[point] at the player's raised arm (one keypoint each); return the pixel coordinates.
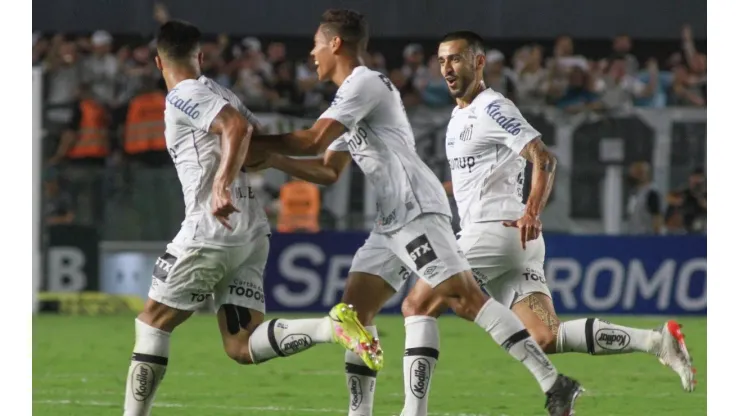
(310, 142)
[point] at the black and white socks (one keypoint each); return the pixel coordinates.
(284, 337)
(360, 382)
(599, 337)
(508, 331)
(419, 361)
(148, 365)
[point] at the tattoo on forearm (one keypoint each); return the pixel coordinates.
(537, 153)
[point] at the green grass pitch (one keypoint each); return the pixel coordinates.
(80, 364)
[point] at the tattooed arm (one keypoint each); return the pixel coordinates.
(543, 175)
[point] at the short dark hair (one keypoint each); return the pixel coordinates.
(348, 25)
(474, 41)
(177, 39)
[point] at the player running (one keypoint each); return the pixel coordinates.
(488, 143)
(367, 120)
(222, 246)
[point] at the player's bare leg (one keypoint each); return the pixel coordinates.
(151, 352)
(599, 337)
(367, 293)
(462, 294)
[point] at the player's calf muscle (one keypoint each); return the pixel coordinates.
(161, 316)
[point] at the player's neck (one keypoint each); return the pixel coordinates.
(468, 98)
(172, 77)
(344, 69)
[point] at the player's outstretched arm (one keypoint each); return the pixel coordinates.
(543, 174)
(309, 142)
(324, 171)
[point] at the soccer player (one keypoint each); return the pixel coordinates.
(488, 144)
(367, 121)
(222, 247)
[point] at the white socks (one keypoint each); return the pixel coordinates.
(599, 337)
(148, 365)
(284, 337)
(419, 361)
(508, 331)
(360, 382)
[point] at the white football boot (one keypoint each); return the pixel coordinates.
(674, 354)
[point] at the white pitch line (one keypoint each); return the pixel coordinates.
(232, 408)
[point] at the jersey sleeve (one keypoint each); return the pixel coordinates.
(339, 145)
(196, 105)
(503, 124)
(354, 100)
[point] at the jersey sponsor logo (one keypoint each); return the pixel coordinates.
(163, 266)
(199, 297)
(404, 273)
(462, 162)
(510, 124)
(421, 252)
(247, 292)
(419, 377)
(142, 380)
(186, 106)
(612, 339)
(467, 133)
(355, 391)
(295, 343)
(357, 139)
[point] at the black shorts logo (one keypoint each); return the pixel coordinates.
(421, 251)
(163, 265)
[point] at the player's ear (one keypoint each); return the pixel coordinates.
(336, 43)
(480, 62)
(158, 62)
(200, 58)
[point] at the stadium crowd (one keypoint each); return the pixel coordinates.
(112, 72)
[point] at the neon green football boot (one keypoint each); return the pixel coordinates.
(352, 335)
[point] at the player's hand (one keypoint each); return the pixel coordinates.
(221, 205)
(529, 227)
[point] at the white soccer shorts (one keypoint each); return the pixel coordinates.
(506, 271)
(185, 276)
(425, 246)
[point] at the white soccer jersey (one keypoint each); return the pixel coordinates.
(484, 140)
(190, 109)
(382, 144)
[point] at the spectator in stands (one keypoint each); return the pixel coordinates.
(682, 92)
(300, 204)
(414, 68)
(579, 96)
(133, 71)
(434, 92)
(143, 133)
(409, 93)
(622, 47)
(40, 47)
(560, 65)
(377, 63)
(100, 69)
(497, 76)
(674, 215)
(695, 202)
(62, 82)
(250, 83)
(659, 97)
(618, 89)
(276, 54)
(58, 207)
(532, 78)
(286, 96)
(697, 62)
(643, 207)
(314, 92)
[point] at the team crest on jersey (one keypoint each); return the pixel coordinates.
(467, 133)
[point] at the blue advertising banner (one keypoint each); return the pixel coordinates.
(586, 274)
